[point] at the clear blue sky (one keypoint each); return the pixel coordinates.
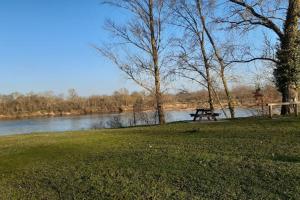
(45, 45)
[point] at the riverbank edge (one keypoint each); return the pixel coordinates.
(168, 107)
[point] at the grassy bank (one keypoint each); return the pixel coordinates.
(242, 159)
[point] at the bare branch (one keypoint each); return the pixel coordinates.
(260, 19)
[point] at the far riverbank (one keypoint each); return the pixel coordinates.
(123, 109)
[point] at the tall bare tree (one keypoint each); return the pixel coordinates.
(140, 50)
(193, 57)
(219, 57)
(192, 17)
(280, 17)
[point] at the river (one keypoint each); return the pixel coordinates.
(71, 123)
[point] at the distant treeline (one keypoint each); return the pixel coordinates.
(18, 105)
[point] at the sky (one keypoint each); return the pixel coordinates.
(46, 45)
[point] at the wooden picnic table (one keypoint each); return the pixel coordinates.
(202, 112)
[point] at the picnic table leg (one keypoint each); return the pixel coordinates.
(195, 117)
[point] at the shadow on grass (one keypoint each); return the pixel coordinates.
(285, 158)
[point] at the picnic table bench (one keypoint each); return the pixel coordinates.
(200, 112)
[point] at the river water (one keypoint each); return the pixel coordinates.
(70, 123)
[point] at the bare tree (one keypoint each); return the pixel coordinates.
(193, 57)
(281, 18)
(219, 58)
(203, 57)
(140, 50)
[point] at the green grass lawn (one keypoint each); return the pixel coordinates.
(240, 159)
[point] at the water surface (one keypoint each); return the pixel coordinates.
(70, 123)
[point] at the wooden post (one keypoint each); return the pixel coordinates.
(270, 111)
(296, 110)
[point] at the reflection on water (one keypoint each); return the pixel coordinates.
(88, 121)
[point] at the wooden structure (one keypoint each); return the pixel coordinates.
(294, 104)
(204, 113)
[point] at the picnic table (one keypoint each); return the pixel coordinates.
(202, 112)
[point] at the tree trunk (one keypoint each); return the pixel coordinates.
(220, 103)
(201, 38)
(220, 60)
(158, 94)
(228, 94)
(209, 87)
(286, 72)
(285, 109)
(207, 70)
